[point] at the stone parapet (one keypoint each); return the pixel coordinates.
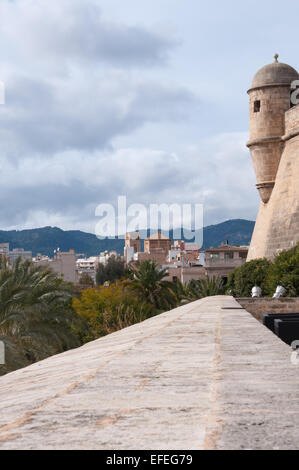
(261, 306)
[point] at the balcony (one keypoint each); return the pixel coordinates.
(224, 262)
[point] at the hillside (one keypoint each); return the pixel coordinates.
(45, 240)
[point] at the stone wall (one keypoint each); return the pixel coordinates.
(260, 307)
(205, 376)
(277, 225)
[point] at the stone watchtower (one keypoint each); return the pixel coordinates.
(274, 148)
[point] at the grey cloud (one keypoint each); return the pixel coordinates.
(71, 185)
(77, 200)
(46, 117)
(158, 102)
(76, 30)
(75, 84)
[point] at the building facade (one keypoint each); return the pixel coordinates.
(157, 243)
(63, 264)
(13, 255)
(219, 262)
(184, 274)
(19, 253)
(132, 246)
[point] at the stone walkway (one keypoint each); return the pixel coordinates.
(203, 376)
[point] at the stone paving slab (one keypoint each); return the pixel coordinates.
(203, 376)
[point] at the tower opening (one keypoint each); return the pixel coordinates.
(257, 106)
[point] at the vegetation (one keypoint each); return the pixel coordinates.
(111, 272)
(197, 289)
(86, 280)
(36, 318)
(148, 283)
(205, 288)
(143, 294)
(108, 309)
(41, 315)
(254, 273)
(283, 270)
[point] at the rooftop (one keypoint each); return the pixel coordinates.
(133, 236)
(228, 248)
(158, 236)
(276, 73)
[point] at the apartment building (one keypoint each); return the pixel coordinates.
(219, 262)
(63, 263)
(13, 255)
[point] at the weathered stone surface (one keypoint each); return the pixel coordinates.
(203, 376)
(260, 306)
(274, 148)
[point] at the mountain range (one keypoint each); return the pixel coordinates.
(47, 239)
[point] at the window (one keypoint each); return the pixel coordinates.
(214, 256)
(257, 106)
(229, 255)
(243, 254)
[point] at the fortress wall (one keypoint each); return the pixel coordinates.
(203, 376)
(283, 232)
(277, 225)
(258, 242)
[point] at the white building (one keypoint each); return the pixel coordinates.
(88, 266)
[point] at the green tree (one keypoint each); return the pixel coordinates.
(35, 310)
(148, 281)
(112, 271)
(197, 289)
(86, 280)
(108, 309)
(206, 287)
(243, 279)
(284, 271)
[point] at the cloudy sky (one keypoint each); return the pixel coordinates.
(131, 97)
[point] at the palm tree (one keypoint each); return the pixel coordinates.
(148, 282)
(35, 310)
(209, 286)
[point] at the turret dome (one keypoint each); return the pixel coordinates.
(276, 73)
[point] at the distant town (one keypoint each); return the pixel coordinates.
(183, 261)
